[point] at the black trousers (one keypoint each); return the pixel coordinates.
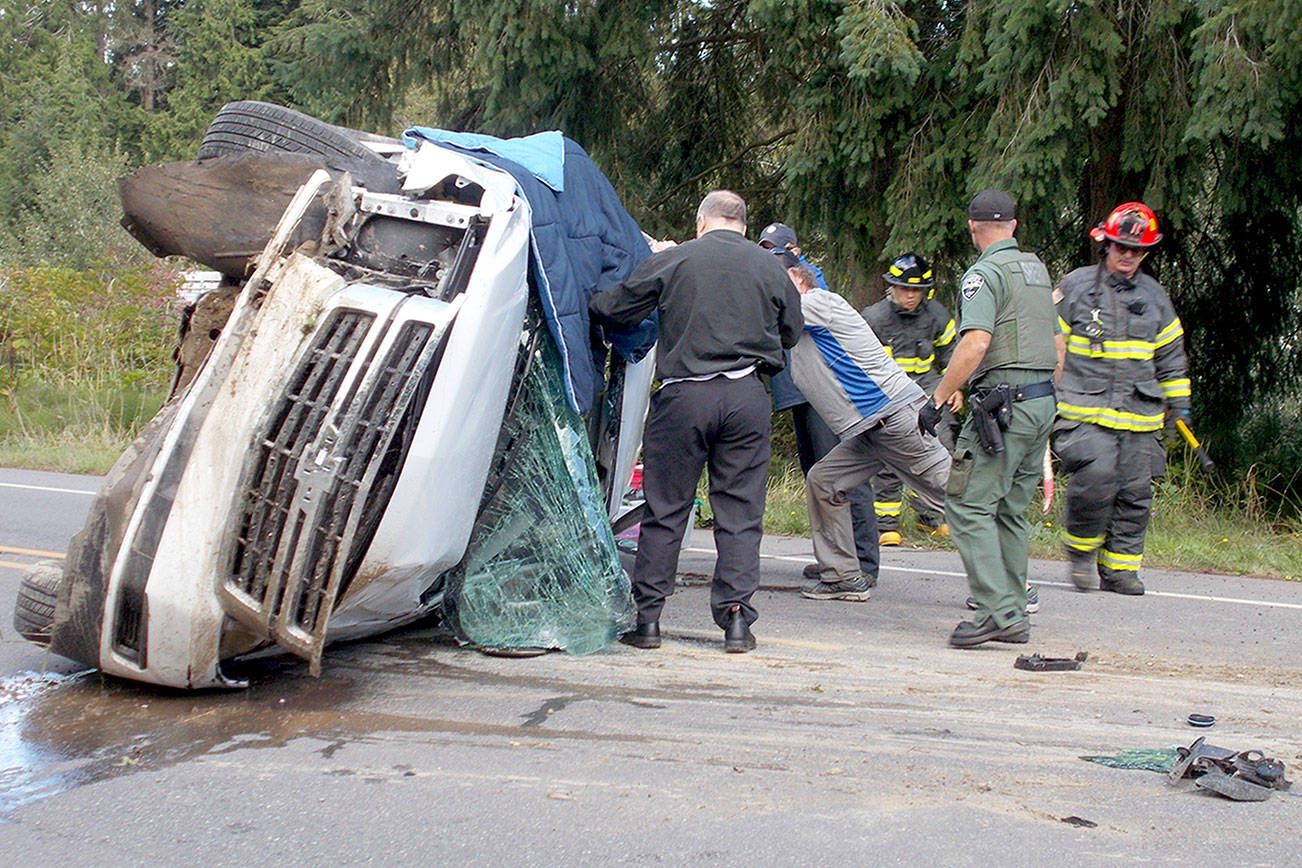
(814, 440)
(723, 424)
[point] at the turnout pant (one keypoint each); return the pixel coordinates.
(724, 424)
(1109, 494)
(814, 440)
(894, 441)
(986, 508)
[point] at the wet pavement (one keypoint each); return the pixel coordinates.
(851, 734)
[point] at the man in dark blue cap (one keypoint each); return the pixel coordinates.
(814, 438)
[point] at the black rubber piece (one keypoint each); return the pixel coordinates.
(249, 125)
(38, 594)
(1200, 720)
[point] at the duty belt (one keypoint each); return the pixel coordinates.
(1019, 393)
(1033, 390)
(992, 410)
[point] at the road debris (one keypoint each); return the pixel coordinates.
(1244, 776)
(1036, 663)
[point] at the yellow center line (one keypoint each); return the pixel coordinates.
(14, 564)
(14, 550)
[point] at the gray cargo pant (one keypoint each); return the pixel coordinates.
(895, 442)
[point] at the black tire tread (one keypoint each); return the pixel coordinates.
(38, 595)
(248, 125)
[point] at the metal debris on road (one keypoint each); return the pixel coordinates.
(1036, 663)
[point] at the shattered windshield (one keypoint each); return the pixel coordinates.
(541, 569)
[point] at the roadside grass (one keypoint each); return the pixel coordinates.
(70, 427)
(1198, 524)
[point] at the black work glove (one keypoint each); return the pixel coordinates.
(928, 418)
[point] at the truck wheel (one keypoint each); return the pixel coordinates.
(37, 595)
(248, 125)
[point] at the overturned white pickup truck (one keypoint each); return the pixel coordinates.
(389, 421)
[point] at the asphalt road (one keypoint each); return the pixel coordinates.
(852, 735)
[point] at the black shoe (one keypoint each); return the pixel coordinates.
(1131, 586)
(969, 635)
(737, 637)
(645, 635)
(813, 573)
(854, 590)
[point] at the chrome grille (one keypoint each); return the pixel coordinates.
(311, 474)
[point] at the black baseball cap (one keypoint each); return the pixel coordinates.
(991, 205)
(780, 235)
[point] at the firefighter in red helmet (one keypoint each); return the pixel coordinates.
(1125, 371)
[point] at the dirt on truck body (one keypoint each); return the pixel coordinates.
(390, 422)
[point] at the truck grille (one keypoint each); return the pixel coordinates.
(309, 475)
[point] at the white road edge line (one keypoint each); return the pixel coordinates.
(1205, 597)
(47, 488)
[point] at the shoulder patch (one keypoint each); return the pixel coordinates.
(972, 284)
(1057, 294)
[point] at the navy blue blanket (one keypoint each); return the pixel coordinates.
(583, 242)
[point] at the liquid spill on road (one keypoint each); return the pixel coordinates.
(59, 732)
(19, 759)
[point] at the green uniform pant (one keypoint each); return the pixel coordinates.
(986, 508)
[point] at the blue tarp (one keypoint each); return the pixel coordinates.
(583, 242)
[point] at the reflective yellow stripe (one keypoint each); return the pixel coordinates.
(1081, 543)
(1177, 388)
(1114, 561)
(887, 508)
(915, 365)
(1108, 418)
(889, 351)
(947, 335)
(1139, 350)
(1066, 329)
(1170, 333)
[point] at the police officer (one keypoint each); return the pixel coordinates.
(918, 332)
(1010, 350)
(1125, 368)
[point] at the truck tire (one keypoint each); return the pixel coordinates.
(248, 125)
(37, 596)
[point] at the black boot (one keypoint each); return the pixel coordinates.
(737, 637)
(645, 635)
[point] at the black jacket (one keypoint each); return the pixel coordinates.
(724, 303)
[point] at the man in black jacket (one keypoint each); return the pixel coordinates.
(727, 309)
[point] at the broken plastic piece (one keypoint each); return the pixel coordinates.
(1080, 822)
(1036, 663)
(1200, 720)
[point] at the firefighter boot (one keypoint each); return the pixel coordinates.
(1081, 569)
(1127, 583)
